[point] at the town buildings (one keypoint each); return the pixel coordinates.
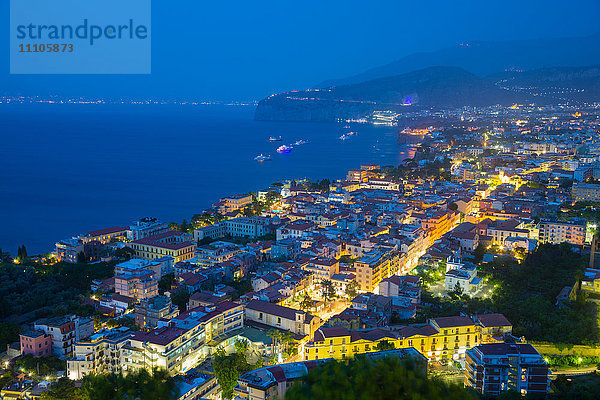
(62, 331)
(179, 344)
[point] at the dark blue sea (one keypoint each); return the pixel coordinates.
(68, 169)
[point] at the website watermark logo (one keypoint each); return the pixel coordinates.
(80, 37)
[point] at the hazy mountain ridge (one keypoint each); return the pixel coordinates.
(434, 87)
(485, 58)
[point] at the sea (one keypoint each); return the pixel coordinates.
(67, 169)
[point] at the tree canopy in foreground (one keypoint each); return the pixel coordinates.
(363, 378)
(139, 385)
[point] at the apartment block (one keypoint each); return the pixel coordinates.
(148, 312)
(498, 367)
(101, 353)
(185, 340)
(556, 232)
(371, 269)
(147, 227)
(586, 192)
(322, 268)
(137, 283)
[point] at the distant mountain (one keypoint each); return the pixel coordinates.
(556, 84)
(485, 58)
(434, 87)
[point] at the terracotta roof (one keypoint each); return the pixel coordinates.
(273, 309)
(488, 320)
(330, 332)
(451, 322)
(107, 231)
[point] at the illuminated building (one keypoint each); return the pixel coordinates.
(172, 243)
(495, 368)
(183, 341)
(439, 339)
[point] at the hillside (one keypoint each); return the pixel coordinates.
(430, 87)
(485, 58)
(556, 84)
(435, 87)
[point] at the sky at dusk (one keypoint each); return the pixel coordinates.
(237, 50)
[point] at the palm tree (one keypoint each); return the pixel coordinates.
(275, 336)
(287, 341)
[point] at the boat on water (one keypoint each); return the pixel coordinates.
(300, 142)
(284, 149)
(344, 137)
(275, 139)
(351, 133)
(262, 158)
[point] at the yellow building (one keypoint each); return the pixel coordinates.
(171, 243)
(440, 339)
(233, 203)
(439, 223)
(371, 269)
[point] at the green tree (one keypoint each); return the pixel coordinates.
(9, 332)
(275, 336)
(327, 291)
(383, 345)
(228, 368)
(4, 256)
(165, 283)
(288, 343)
(180, 298)
(125, 252)
(22, 253)
(41, 366)
(479, 253)
(366, 378)
(62, 389)
(307, 302)
(241, 346)
(141, 384)
(457, 292)
(352, 289)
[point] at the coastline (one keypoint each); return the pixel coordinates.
(134, 172)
